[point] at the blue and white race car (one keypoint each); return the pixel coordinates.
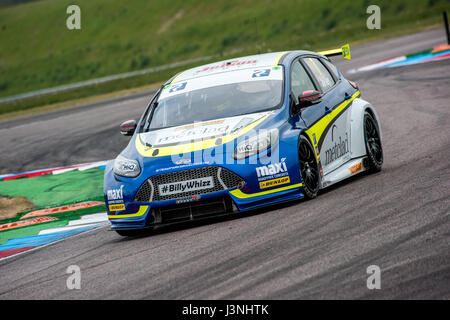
(241, 134)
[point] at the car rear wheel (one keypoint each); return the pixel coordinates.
(309, 169)
(373, 143)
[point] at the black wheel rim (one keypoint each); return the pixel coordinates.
(308, 167)
(373, 139)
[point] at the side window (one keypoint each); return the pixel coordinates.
(331, 67)
(300, 80)
(321, 73)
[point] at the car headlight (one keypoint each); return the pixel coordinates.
(126, 167)
(256, 144)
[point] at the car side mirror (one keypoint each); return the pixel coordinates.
(128, 127)
(308, 98)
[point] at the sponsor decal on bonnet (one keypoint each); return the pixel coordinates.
(195, 197)
(274, 182)
(275, 170)
(115, 194)
(194, 133)
(227, 64)
(199, 131)
(115, 199)
(167, 189)
(183, 161)
(355, 168)
(338, 150)
(116, 207)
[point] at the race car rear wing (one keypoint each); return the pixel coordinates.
(344, 50)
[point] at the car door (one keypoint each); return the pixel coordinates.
(328, 122)
(301, 80)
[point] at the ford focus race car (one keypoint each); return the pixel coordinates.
(240, 134)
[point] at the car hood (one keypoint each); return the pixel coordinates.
(196, 136)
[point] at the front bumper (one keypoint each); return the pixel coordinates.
(237, 188)
(149, 214)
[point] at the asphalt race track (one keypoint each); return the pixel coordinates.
(398, 219)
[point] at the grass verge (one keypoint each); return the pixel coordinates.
(20, 196)
(38, 51)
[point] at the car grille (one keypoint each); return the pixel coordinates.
(223, 179)
(192, 210)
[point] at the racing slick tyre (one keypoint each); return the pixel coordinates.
(309, 169)
(373, 143)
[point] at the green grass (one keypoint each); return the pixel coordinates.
(73, 94)
(63, 220)
(38, 51)
(48, 191)
(56, 190)
(32, 230)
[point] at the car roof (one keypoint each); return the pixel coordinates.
(253, 61)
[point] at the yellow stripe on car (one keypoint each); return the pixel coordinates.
(176, 77)
(192, 146)
(320, 126)
(142, 210)
(314, 63)
(344, 50)
(277, 59)
(239, 194)
(328, 52)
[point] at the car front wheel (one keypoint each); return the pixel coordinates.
(309, 169)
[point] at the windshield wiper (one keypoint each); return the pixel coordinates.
(263, 110)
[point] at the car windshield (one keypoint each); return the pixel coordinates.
(178, 106)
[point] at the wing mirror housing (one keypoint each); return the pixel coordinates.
(128, 127)
(308, 98)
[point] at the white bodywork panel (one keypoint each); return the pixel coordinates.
(255, 61)
(344, 150)
(262, 73)
(200, 130)
(336, 146)
(359, 106)
(347, 170)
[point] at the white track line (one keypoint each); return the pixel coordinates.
(85, 221)
(48, 244)
(378, 64)
(93, 165)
